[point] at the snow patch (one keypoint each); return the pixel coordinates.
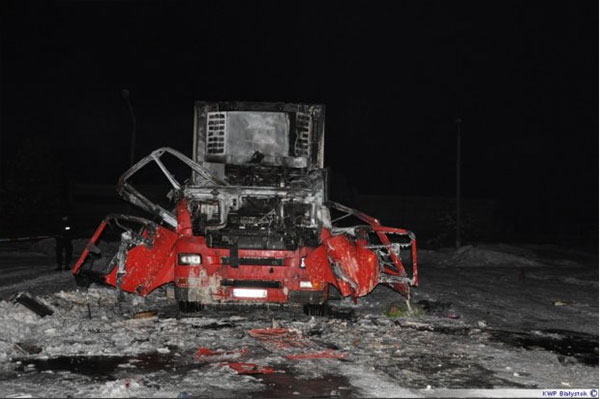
(471, 256)
(126, 388)
(17, 323)
(375, 385)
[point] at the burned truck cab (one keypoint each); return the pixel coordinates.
(249, 220)
(250, 236)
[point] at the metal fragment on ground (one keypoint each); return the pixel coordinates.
(145, 314)
(280, 337)
(251, 368)
(327, 354)
(208, 355)
(32, 304)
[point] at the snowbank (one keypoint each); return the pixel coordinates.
(501, 255)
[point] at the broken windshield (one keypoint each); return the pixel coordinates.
(249, 132)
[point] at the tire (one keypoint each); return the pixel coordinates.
(190, 307)
(315, 309)
(82, 281)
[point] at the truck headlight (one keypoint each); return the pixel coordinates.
(189, 259)
(305, 284)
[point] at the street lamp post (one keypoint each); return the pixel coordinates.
(458, 122)
(125, 94)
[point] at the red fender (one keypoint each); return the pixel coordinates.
(346, 264)
(148, 268)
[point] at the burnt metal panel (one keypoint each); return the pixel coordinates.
(32, 304)
(315, 113)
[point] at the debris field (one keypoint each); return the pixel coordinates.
(537, 328)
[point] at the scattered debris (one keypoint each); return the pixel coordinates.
(251, 368)
(145, 314)
(289, 341)
(560, 303)
(280, 337)
(385, 356)
(453, 315)
(441, 309)
(335, 313)
(202, 352)
(28, 348)
(32, 304)
(435, 308)
(120, 389)
(326, 354)
(215, 326)
(209, 355)
(403, 309)
(414, 325)
(570, 344)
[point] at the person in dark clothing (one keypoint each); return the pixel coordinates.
(64, 236)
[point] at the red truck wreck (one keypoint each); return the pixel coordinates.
(252, 224)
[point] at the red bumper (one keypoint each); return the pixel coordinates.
(273, 276)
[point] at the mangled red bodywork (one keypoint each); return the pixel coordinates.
(258, 230)
(347, 264)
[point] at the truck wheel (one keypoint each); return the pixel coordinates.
(190, 307)
(315, 309)
(82, 281)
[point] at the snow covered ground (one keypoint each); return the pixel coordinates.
(489, 316)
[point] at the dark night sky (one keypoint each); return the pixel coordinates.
(393, 75)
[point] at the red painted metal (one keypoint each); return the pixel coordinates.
(184, 219)
(347, 264)
(381, 232)
(341, 261)
(90, 244)
(206, 278)
(280, 338)
(288, 340)
(202, 352)
(352, 267)
(148, 268)
(212, 271)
